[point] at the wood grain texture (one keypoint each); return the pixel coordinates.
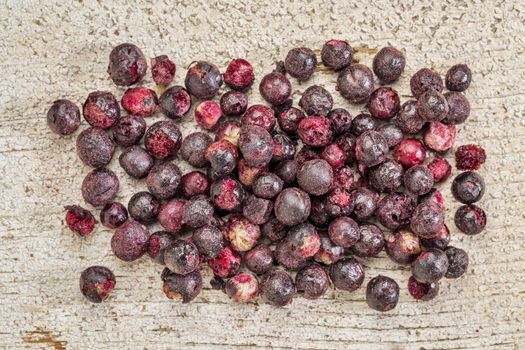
(59, 49)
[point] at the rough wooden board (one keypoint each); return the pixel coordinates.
(59, 50)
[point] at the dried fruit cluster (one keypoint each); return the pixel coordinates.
(310, 188)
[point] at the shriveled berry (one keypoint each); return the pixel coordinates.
(287, 171)
(181, 257)
(267, 185)
(389, 64)
(458, 108)
(273, 230)
(94, 147)
(312, 281)
(316, 100)
(234, 103)
(341, 120)
(284, 256)
(440, 169)
(283, 148)
(113, 215)
(347, 274)
(432, 196)
(182, 287)
(470, 157)
(328, 253)
(259, 115)
(468, 187)
(386, 177)
(157, 244)
(171, 215)
(80, 220)
(175, 102)
(457, 262)
(392, 134)
(395, 210)
(127, 64)
(344, 232)
(163, 70)
(306, 154)
(63, 117)
(382, 293)
(96, 283)
(339, 202)
(163, 180)
(365, 203)
(198, 212)
(209, 241)
(100, 186)
(292, 206)
(402, 246)
(371, 148)
(337, 54)
(256, 145)
(248, 174)
(334, 155)
(144, 207)
(242, 288)
(356, 83)
(370, 243)
(136, 162)
(163, 139)
(241, 233)
(407, 118)
(345, 178)
(128, 130)
(193, 149)
(303, 240)
(410, 152)
(259, 260)
(425, 79)
(289, 119)
(361, 123)
(277, 288)
(383, 103)
(316, 177)
(440, 241)
(427, 219)
(422, 291)
(207, 114)
(418, 179)
(458, 77)
(239, 74)
(227, 194)
(226, 264)
(194, 183)
(257, 210)
(203, 80)
(430, 266)
(140, 101)
(300, 63)
(275, 88)
(222, 156)
(130, 241)
(432, 106)
(470, 219)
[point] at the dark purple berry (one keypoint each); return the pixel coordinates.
(306, 154)
(344, 232)
(458, 77)
(315, 177)
(207, 114)
(370, 243)
(275, 88)
(389, 64)
(312, 281)
(337, 54)
(470, 219)
(162, 70)
(182, 257)
(130, 241)
(257, 210)
(63, 117)
(287, 171)
(113, 215)
(198, 212)
(194, 183)
(395, 210)
(144, 207)
(440, 169)
(410, 152)
(80, 220)
(140, 101)
(128, 130)
(239, 74)
(163, 180)
(315, 131)
(392, 134)
(432, 106)
(407, 118)
(234, 103)
(335, 155)
(439, 137)
(303, 240)
(383, 103)
(468, 187)
(96, 283)
(418, 180)
(345, 178)
(318, 214)
(365, 203)
(427, 219)
(203, 80)
(94, 147)
(371, 148)
(422, 291)
(208, 240)
(430, 266)
(157, 244)
(347, 274)
(316, 100)
(163, 139)
(222, 156)
(267, 185)
(273, 230)
(339, 202)
(193, 149)
(289, 119)
(425, 79)
(356, 83)
(259, 260)
(386, 177)
(341, 120)
(300, 63)
(171, 215)
(470, 157)
(136, 162)
(440, 241)
(175, 102)
(329, 253)
(458, 108)
(457, 262)
(283, 148)
(292, 206)
(127, 64)
(182, 287)
(382, 293)
(402, 246)
(100, 186)
(256, 145)
(277, 288)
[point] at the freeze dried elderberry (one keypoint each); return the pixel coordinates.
(356, 83)
(175, 102)
(277, 288)
(382, 293)
(316, 100)
(94, 147)
(275, 88)
(300, 63)
(203, 80)
(259, 260)
(347, 274)
(96, 283)
(336, 54)
(128, 131)
(312, 281)
(100, 186)
(185, 287)
(163, 139)
(389, 64)
(63, 117)
(127, 65)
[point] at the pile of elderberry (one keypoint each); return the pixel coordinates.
(310, 188)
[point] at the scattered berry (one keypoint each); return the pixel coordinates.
(157, 244)
(96, 283)
(458, 77)
(292, 206)
(140, 101)
(470, 219)
(356, 83)
(402, 246)
(175, 102)
(207, 114)
(347, 274)
(275, 88)
(194, 183)
(94, 147)
(300, 63)
(100, 186)
(144, 207)
(63, 117)
(241, 233)
(316, 100)
(171, 215)
(163, 139)
(470, 157)
(425, 79)
(234, 103)
(312, 281)
(193, 149)
(383, 103)
(242, 288)
(181, 287)
(410, 152)
(127, 65)
(136, 162)
(468, 187)
(80, 220)
(163, 70)
(440, 169)
(226, 264)
(181, 257)
(382, 293)
(130, 241)
(128, 130)
(239, 74)
(259, 260)
(370, 243)
(259, 115)
(389, 64)
(430, 266)
(337, 54)
(203, 80)
(422, 291)
(277, 288)
(113, 215)
(457, 262)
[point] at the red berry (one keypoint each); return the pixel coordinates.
(80, 220)
(162, 70)
(470, 157)
(207, 114)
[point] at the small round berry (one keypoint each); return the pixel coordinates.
(382, 293)
(226, 264)
(430, 266)
(347, 274)
(185, 287)
(194, 183)
(440, 137)
(383, 103)
(113, 215)
(337, 54)
(100, 186)
(470, 219)
(468, 187)
(80, 220)
(371, 148)
(341, 120)
(275, 88)
(418, 180)
(344, 232)
(234, 103)
(395, 210)
(345, 178)
(356, 83)
(407, 119)
(256, 145)
(259, 115)
(440, 241)
(458, 77)
(339, 202)
(386, 177)
(257, 210)
(208, 240)
(402, 246)
(410, 152)
(140, 101)
(287, 171)
(229, 131)
(283, 147)
(242, 288)
(239, 74)
(241, 233)
(316, 177)
(370, 243)
(136, 162)
(164, 179)
(163, 139)
(316, 100)
(130, 241)
(162, 70)
(361, 123)
(277, 288)
(94, 147)
(207, 114)
(274, 230)
(470, 157)
(175, 102)
(432, 106)
(63, 117)
(157, 244)
(127, 64)
(392, 134)
(259, 260)
(222, 156)
(315, 131)
(289, 119)
(182, 257)
(292, 206)
(328, 253)
(427, 219)
(171, 215)
(365, 203)
(389, 64)
(458, 108)
(334, 155)
(425, 79)
(422, 291)
(457, 262)
(198, 212)
(128, 130)
(193, 149)
(203, 80)
(248, 174)
(300, 63)
(96, 283)
(303, 240)
(144, 207)
(267, 185)
(312, 281)
(440, 169)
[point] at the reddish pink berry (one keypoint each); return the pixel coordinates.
(470, 157)
(440, 169)
(207, 114)
(226, 264)
(140, 101)
(334, 155)
(80, 220)
(241, 233)
(239, 74)
(101, 109)
(259, 115)
(440, 137)
(162, 70)
(384, 103)
(242, 288)
(410, 152)
(248, 174)
(315, 131)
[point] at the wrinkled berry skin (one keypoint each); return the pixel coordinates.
(234, 103)
(418, 180)
(427, 219)
(229, 131)
(439, 137)
(344, 232)
(410, 152)
(457, 262)
(345, 178)
(382, 293)
(300, 63)
(100, 186)
(312, 281)
(171, 215)
(242, 288)
(209, 241)
(274, 230)
(80, 220)
(144, 207)
(157, 244)
(315, 131)
(371, 148)
(267, 185)
(389, 64)
(181, 257)
(365, 203)
(128, 130)
(347, 274)
(470, 219)
(432, 196)
(287, 171)
(316, 177)
(458, 108)
(440, 241)
(277, 288)
(328, 253)
(259, 260)
(458, 77)
(440, 169)
(318, 214)
(130, 241)
(370, 243)
(96, 283)
(94, 147)
(432, 106)
(468, 187)
(392, 134)
(275, 88)
(239, 74)
(259, 115)
(222, 156)
(185, 287)
(248, 174)
(470, 157)
(163, 70)
(193, 149)
(257, 210)
(430, 266)
(303, 240)
(384, 103)
(136, 162)
(402, 246)
(386, 177)
(226, 264)
(284, 256)
(140, 101)
(227, 194)
(339, 202)
(203, 80)
(63, 117)
(256, 145)
(194, 183)
(337, 54)
(289, 119)
(163, 139)
(241, 233)
(175, 102)
(316, 100)
(341, 120)
(395, 210)
(361, 123)
(422, 291)
(164, 180)
(306, 154)
(425, 79)
(127, 65)
(356, 83)
(198, 212)
(113, 215)
(407, 118)
(207, 114)
(292, 206)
